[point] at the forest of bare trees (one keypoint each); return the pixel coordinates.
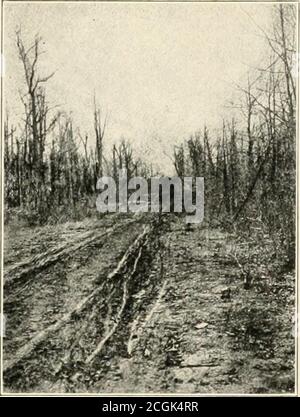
(51, 170)
(249, 168)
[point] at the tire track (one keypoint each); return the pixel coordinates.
(30, 267)
(52, 294)
(52, 343)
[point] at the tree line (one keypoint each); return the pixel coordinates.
(250, 167)
(51, 171)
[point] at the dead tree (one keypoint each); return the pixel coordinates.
(99, 127)
(36, 117)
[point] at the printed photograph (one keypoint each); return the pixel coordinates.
(149, 197)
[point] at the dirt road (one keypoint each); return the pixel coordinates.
(140, 305)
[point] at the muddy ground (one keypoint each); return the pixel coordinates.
(142, 305)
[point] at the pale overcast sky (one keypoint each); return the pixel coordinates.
(161, 70)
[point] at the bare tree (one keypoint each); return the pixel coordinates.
(99, 126)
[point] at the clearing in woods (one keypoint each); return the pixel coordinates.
(140, 304)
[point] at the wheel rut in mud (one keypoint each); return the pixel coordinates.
(70, 347)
